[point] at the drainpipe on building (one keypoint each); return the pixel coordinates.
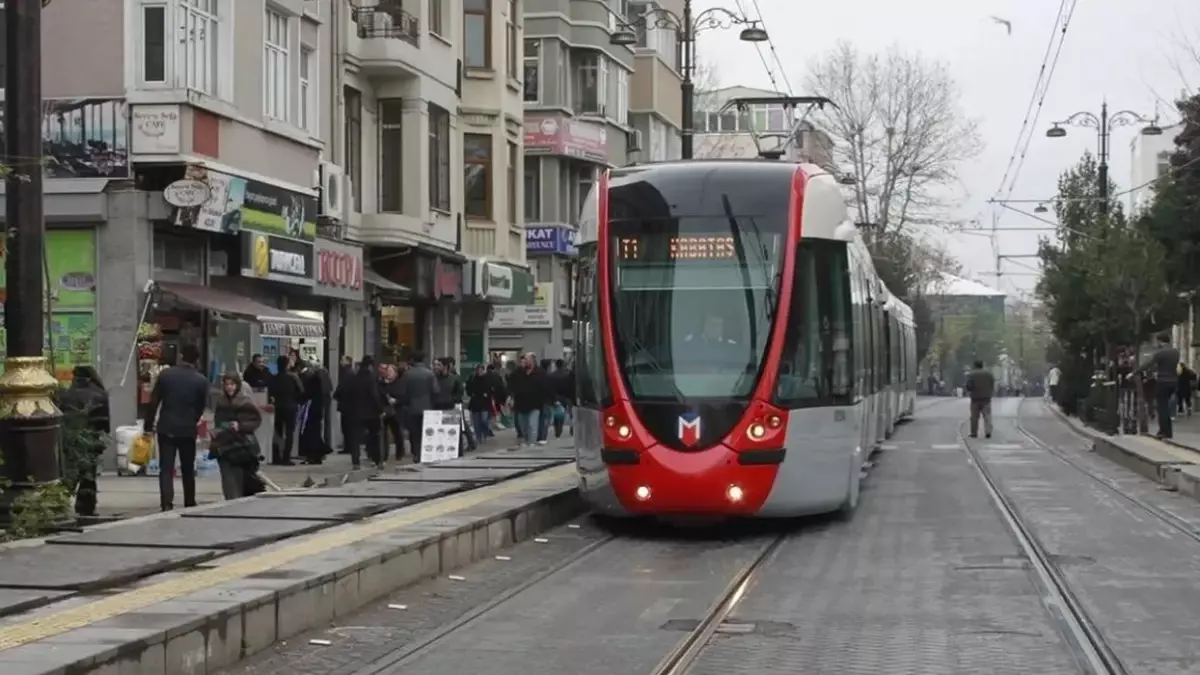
(338, 79)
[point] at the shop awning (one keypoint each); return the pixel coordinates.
(379, 281)
(272, 322)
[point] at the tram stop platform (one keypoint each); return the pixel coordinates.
(1174, 463)
(192, 591)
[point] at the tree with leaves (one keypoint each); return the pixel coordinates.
(1105, 280)
(1174, 216)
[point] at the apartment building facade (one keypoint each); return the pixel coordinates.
(577, 121)
(655, 101)
(182, 196)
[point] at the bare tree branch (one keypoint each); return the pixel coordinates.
(898, 129)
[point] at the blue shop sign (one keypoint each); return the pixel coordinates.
(558, 239)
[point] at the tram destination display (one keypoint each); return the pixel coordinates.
(692, 247)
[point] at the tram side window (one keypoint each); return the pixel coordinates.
(590, 380)
(814, 369)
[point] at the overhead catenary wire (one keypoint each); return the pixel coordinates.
(1037, 97)
(758, 49)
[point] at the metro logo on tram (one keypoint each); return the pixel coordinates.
(689, 429)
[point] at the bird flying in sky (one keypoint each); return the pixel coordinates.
(1003, 22)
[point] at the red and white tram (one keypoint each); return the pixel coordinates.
(735, 352)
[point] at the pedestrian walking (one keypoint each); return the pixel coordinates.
(235, 419)
(1163, 364)
(88, 399)
(284, 391)
(1187, 384)
(530, 392)
(418, 389)
(980, 387)
(177, 403)
(362, 409)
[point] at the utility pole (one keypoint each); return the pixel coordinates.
(29, 419)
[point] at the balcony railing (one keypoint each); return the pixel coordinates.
(387, 20)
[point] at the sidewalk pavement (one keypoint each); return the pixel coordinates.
(132, 496)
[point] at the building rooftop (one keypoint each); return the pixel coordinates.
(950, 285)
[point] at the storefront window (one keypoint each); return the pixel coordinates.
(398, 333)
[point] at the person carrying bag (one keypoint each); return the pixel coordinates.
(235, 419)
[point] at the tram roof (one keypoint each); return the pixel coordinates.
(825, 215)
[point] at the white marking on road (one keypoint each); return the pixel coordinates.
(887, 446)
(1005, 446)
(947, 446)
(399, 607)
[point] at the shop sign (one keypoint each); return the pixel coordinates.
(186, 193)
(155, 130)
(82, 138)
(235, 204)
(447, 280)
(562, 135)
(71, 341)
(71, 259)
(558, 239)
(493, 282)
(277, 259)
(281, 329)
(339, 269)
(540, 315)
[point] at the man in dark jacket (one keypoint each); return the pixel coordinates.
(530, 392)
(284, 392)
(85, 410)
(1163, 365)
(359, 400)
(419, 390)
(981, 386)
(176, 405)
(481, 393)
(562, 381)
(257, 376)
(345, 372)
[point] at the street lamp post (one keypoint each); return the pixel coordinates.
(1104, 125)
(686, 29)
(29, 420)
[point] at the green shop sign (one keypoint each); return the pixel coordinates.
(71, 342)
(235, 204)
(71, 259)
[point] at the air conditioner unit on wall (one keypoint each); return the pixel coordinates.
(635, 140)
(333, 194)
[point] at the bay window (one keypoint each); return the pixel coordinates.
(439, 158)
(196, 48)
(533, 190)
(477, 176)
(308, 91)
(153, 60)
(514, 160)
(533, 71)
(477, 33)
(275, 67)
(513, 45)
(591, 82)
(622, 115)
(353, 141)
(391, 155)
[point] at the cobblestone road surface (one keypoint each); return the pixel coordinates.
(1135, 574)
(925, 580)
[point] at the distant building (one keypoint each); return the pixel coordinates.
(730, 135)
(1149, 160)
(952, 295)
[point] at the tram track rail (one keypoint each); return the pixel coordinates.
(678, 660)
(1091, 649)
(1167, 518)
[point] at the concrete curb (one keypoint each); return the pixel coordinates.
(213, 628)
(1161, 466)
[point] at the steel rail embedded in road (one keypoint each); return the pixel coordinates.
(1090, 648)
(685, 653)
(1162, 515)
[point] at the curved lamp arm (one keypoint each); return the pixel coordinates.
(1081, 119)
(713, 17)
(1127, 118)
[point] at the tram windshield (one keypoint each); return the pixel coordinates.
(693, 300)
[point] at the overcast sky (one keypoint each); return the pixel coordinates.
(1117, 50)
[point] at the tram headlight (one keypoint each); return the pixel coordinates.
(642, 493)
(774, 421)
(624, 432)
(757, 431)
(735, 493)
(610, 421)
